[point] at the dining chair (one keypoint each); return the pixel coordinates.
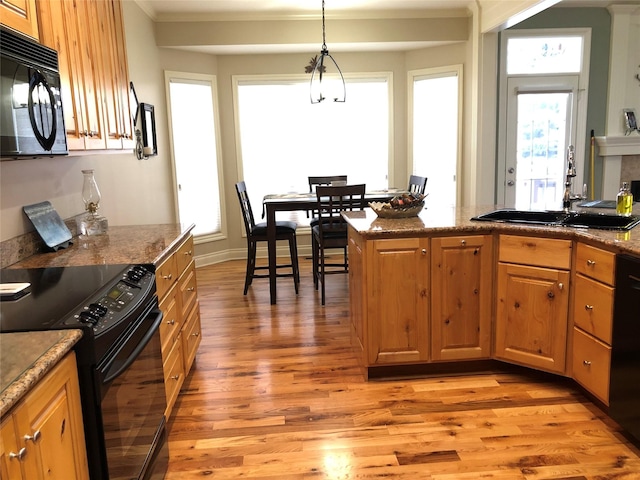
(257, 232)
(331, 230)
(417, 184)
(323, 181)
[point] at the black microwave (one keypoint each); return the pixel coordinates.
(31, 118)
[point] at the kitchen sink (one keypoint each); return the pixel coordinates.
(563, 219)
(602, 221)
(522, 216)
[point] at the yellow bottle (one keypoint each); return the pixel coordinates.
(624, 200)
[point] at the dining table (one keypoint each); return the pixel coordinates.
(291, 202)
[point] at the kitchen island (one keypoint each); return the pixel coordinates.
(441, 292)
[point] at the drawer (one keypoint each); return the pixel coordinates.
(541, 252)
(593, 307)
(596, 263)
(191, 337)
(166, 276)
(591, 364)
(171, 324)
(188, 290)
(173, 375)
(184, 255)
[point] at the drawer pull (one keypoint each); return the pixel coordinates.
(34, 438)
(171, 322)
(191, 289)
(20, 455)
(423, 251)
(175, 377)
(196, 334)
(463, 242)
(591, 263)
(167, 277)
(586, 363)
(188, 253)
(588, 307)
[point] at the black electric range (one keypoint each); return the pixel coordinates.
(116, 307)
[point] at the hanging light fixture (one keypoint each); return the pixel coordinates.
(320, 85)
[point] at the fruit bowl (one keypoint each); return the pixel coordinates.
(401, 206)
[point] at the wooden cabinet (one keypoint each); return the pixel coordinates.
(533, 301)
(593, 319)
(180, 331)
(43, 435)
(398, 300)
(20, 15)
(461, 297)
(89, 38)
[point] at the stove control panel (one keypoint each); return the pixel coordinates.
(113, 304)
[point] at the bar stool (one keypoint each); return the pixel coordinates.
(257, 232)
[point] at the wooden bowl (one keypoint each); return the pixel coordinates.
(384, 210)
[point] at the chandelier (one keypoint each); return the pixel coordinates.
(321, 86)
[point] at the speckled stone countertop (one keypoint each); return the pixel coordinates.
(442, 220)
(146, 244)
(26, 357)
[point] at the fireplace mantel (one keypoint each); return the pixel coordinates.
(619, 145)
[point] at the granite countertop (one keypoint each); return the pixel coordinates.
(26, 357)
(145, 244)
(449, 220)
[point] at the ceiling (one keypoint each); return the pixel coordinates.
(170, 15)
(177, 10)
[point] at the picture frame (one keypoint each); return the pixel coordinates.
(630, 120)
(133, 103)
(148, 126)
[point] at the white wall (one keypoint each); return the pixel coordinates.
(133, 191)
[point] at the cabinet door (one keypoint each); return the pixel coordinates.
(398, 303)
(461, 293)
(21, 16)
(65, 27)
(10, 454)
(531, 323)
(49, 424)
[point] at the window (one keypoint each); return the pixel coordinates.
(434, 126)
(284, 138)
(194, 141)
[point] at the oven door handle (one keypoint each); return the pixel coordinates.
(109, 376)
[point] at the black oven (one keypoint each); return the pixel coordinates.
(119, 358)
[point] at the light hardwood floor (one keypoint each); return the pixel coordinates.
(275, 393)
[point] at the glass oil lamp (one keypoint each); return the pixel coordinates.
(91, 223)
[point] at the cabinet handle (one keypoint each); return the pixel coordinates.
(188, 253)
(20, 455)
(588, 307)
(424, 251)
(560, 286)
(463, 242)
(167, 277)
(196, 334)
(591, 263)
(586, 363)
(171, 322)
(175, 377)
(34, 438)
(191, 289)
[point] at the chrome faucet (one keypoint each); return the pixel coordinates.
(568, 197)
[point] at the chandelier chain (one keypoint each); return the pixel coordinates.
(324, 41)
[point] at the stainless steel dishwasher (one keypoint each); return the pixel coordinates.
(624, 397)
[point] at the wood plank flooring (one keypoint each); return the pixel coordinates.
(276, 393)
